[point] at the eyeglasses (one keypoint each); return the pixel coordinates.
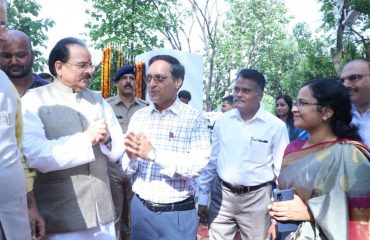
(156, 78)
(354, 77)
(301, 103)
(82, 65)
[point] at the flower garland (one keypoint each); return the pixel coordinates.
(139, 80)
(114, 58)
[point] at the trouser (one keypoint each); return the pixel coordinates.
(231, 211)
(122, 194)
(170, 225)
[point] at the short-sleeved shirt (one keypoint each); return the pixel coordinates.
(124, 113)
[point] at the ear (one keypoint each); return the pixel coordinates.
(327, 113)
(58, 67)
(260, 95)
(178, 83)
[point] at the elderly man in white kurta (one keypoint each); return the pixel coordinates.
(70, 133)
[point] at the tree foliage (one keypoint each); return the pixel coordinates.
(248, 35)
(140, 25)
(346, 42)
(23, 15)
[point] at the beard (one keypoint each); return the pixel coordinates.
(21, 72)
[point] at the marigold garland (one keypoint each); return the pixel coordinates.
(113, 58)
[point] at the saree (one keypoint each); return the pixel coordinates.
(333, 179)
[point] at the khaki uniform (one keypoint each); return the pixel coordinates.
(124, 113)
(120, 184)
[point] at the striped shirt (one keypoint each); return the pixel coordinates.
(181, 139)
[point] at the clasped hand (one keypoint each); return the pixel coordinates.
(137, 145)
(98, 131)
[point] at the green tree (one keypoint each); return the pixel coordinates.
(23, 15)
(248, 35)
(139, 25)
(351, 41)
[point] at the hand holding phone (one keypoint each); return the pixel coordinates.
(284, 195)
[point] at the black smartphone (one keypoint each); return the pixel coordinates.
(284, 195)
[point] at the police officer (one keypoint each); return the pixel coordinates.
(124, 105)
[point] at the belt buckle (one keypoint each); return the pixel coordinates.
(239, 189)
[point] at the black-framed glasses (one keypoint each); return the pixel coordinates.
(157, 78)
(82, 65)
(301, 103)
(353, 77)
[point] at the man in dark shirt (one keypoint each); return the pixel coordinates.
(16, 60)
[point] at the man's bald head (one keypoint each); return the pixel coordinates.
(16, 35)
(16, 55)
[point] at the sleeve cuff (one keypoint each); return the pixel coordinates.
(203, 199)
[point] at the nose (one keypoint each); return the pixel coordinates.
(294, 109)
(13, 59)
(346, 83)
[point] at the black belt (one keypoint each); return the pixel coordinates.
(239, 189)
(184, 205)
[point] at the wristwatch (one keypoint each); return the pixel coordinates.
(152, 155)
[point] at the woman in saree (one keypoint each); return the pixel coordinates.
(329, 172)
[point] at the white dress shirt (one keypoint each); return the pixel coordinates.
(363, 124)
(245, 153)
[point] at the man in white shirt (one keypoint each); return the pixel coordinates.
(247, 149)
(70, 133)
(356, 78)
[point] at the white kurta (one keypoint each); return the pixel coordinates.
(70, 151)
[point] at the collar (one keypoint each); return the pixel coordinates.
(355, 111)
(61, 86)
(174, 108)
(117, 100)
(260, 114)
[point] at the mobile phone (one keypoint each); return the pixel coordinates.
(284, 195)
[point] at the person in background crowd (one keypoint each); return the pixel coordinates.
(16, 60)
(70, 133)
(124, 105)
(167, 147)
(329, 172)
(242, 172)
(47, 77)
(284, 106)
(227, 103)
(355, 77)
(184, 96)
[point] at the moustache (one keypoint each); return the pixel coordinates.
(127, 85)
(15, 66)
(238, 100)
(87, 77)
